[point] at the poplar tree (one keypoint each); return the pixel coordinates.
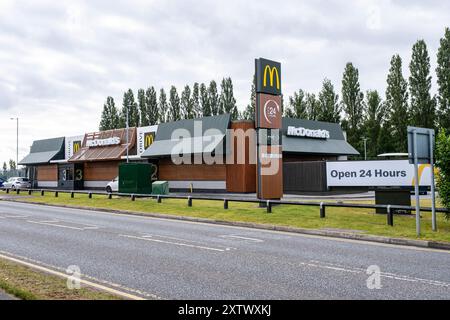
(174, 105)
(227, 102)
(423, 106)
(151, 102)
(249, 112)
(375, 116)
(133, 112)
(187, 107)
(297, 105)
(144, 120)
(352, 104)
(12, 164)
(397, 107)
(443, 80)
(204, 101)
(110, 117)
(312, 106)
(213, 98)
(198, 112)
(329, 109)
(5, 167)
(162, 106)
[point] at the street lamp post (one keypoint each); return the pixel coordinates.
(365, 148)
(17, 141)
(127, 132)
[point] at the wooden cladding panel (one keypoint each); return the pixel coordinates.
(272, 175)
(241, 178)
(191, 172)
(47, 173)
(101, 171)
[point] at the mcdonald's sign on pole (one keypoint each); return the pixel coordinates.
(268, 77)
(268, 118)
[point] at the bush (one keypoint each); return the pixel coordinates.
(443, 163)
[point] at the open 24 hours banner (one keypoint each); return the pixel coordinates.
(387, 173)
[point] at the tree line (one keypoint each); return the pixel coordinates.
(381, 121)
(150, 107)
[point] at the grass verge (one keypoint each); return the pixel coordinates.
(354, 220)
(25, 283)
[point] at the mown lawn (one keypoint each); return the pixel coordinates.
(27, 284)
(361, 220)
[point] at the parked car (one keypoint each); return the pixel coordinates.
(113, 186)
(17, 183)
(1, 182)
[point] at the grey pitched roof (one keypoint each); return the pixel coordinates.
(43, 151)
(212, 129)
(335, 129)
(318, 146)
(335, 145)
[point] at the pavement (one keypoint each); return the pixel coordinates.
(171, 259)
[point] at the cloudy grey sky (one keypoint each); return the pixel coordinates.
(60, 59)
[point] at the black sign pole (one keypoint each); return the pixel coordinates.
(258, 156)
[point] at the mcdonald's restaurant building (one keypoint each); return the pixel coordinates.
(91, 160)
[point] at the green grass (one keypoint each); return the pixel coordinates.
(28, 284)
(284, 215)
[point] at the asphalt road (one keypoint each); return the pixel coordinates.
(5, 296)
(172, 259)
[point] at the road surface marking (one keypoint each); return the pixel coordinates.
(337, 267)
(241, 238)
(63, 270)
(56, 223)
(175, 243)
(66, 276)
(13, 217)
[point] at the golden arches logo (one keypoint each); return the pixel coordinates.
(76, 146)
(148, 140)
(422, 168)
(273, 72)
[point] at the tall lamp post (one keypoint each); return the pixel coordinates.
(17, 141)
(365, 148)
(127, 125)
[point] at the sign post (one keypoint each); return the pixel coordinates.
(416, 185)
(433, 196)
(421, 150)
(268, 123)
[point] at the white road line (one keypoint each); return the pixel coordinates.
(56, 224)
(172, 238)
(242, 238)
(13, 217)
(96, 280)
(66, 276)
(175, 243)
(336, 267)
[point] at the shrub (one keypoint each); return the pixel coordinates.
(443, 163)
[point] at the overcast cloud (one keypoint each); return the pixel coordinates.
(60, 59)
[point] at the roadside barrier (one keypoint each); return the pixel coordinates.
(268, 204)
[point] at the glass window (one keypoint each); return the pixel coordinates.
(69, 174)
